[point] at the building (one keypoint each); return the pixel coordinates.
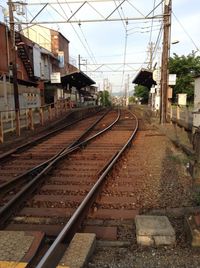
(28, 86)
(44, 73)
(145, 78)
(66, 81)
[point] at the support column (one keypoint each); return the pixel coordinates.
(165, 57)
(195, 165)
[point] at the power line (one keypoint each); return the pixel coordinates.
(152, 11)
(71, 26)
(136, 8)
(185, 31)
(89, 49)
(155, 30)
(146, 27)
(92, 54)
(154, 3)
(157, 43)
(116, 63)
(112, 71)
(124, 25)
(125, 48)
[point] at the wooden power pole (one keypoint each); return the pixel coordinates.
(14, 65)
(165, 57)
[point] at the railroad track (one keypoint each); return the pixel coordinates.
(65, 190)
(12, 186)
(31, 154)
(26, 161)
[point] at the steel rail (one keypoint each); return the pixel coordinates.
(27, 175)
(28, 144)
(7, 210)
(53, 255)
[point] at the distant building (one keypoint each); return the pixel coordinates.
(29, 88)
(65, 87)
(54, 42)
(44, 73)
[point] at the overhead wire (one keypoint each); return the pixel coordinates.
(150, 37)
(92, 56)
(142, 28)
(143, 32)
(157, 44)
(124, 21)
(136, 9)
(95, 9)
(124, 25)
(124, 58)
(185, 31)
(152, 11)
(66, 17)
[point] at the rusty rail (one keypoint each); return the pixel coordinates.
(7, 210)
(28, 144)
(53, 255)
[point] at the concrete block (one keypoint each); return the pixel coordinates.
(164, 240)
(145, 240)
(192, 229)
(79, 251)
(154, 230)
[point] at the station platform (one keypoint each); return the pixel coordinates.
(17, 248)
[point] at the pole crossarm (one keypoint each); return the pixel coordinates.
(116, 63)
(76, 11)
(32, 3)
(87, 21)
(38, 13)
(115, 10)
(111, 71)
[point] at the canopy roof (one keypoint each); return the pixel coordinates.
(144, 78)
(77, 79)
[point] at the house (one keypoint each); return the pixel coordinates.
(66, 80)
(41, 70)
(28, 85)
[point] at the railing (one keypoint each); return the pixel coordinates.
(183, 116)
(11, 121)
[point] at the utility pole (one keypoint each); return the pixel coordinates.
(151, 45)
(165, 57)
(79, 62)
(14, 65)
(127, 94)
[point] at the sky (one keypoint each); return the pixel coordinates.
(112, 52)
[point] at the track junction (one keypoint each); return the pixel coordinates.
(55, 183)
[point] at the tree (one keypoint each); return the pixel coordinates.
(131, 99)
(185, 67)
(105, 98)
(142, 93)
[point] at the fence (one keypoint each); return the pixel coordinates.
(183, 116)
(11, 120)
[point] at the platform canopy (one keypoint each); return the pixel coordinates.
(77, 79)
(144, 78)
